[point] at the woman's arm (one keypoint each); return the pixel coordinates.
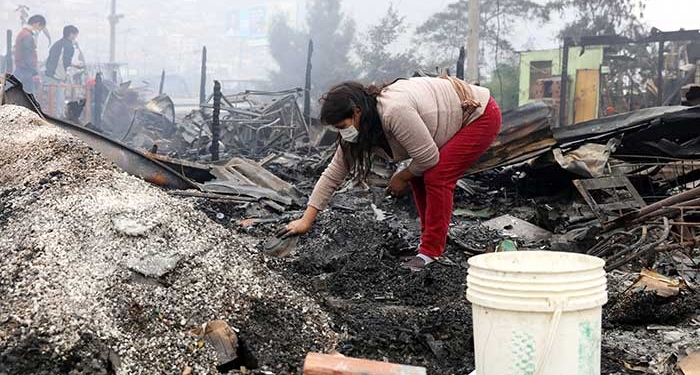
(330, 180)
(399, 182)
(303, 225)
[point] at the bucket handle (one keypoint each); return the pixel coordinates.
(553, 328)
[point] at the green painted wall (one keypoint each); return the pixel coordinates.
(591, 59)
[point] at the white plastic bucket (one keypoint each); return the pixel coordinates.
(536, 312)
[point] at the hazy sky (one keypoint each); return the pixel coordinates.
(188, 24)
(667, 15)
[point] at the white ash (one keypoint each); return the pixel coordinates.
(73, 225)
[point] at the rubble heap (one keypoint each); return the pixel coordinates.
(103, 271)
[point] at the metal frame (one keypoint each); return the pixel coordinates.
(605, 211)
(684, 226)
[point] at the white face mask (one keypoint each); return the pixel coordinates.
(349, 134)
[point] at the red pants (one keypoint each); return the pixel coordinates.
(434, 191)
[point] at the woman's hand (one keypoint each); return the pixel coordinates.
(398, 185)
(298, 227)
(301, 226)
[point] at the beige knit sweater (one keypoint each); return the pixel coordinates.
(419, 115)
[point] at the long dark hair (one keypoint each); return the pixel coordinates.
(339, 103)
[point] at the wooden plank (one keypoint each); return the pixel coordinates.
(324, 364)
(586, 100)
(495, 157)
(690, 365)
(238, 176)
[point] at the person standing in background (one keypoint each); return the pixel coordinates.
(26, 59)
(59, 60)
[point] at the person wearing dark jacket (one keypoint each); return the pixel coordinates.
(26, 60)
(60, 59)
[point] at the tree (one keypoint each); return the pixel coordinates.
(599, 17)
(333, 34)
(444, 32)
(505, 84)
(287, 47)
(377, 63)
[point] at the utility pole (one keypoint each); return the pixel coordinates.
(203, 78)
(113, 20)
(162, 83)
(8, 55)
(473, 42)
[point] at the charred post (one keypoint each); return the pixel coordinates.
(8, 54)
(563, 95)
(98, 99)
(215, 123)
(660, 76)
(460, 63)
(307, 85)
(113, 19)
(162, 82)
(203, 78)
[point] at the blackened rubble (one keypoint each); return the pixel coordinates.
(160, 263)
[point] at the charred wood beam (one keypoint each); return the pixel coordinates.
(215, 123)
(307, 85)
(460, 63)
(253, 115)
(603, 40)
(504, 155)
(98, 98)
(655, 37)
(689, 197)
(672, 36)
(668, 211)
(273, 93)
(660, 75)
(564, 92)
